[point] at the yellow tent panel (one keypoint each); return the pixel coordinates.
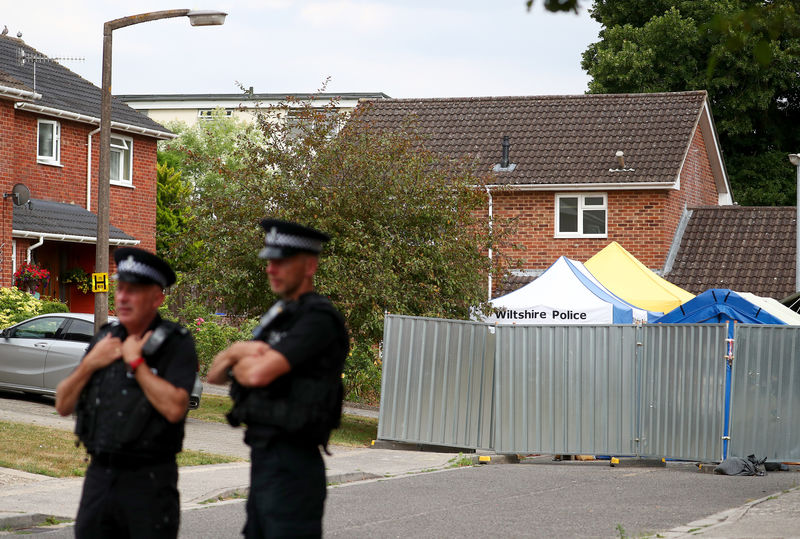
(625, 276)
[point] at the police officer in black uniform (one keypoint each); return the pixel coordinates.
(287, 388)
(130, 394)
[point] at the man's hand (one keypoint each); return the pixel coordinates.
(104, 353)
(132, 347)
(227, 359)
(254, 364)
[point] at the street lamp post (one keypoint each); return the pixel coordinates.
(795, 160)
(196, 18)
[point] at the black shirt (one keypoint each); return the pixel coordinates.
(112, 400)
(313, 339)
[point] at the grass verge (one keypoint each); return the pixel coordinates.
(355, 431)
(212, 408)
(52, 452)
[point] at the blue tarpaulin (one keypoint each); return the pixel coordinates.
(718, 305)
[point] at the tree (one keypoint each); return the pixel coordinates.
(745, 53)
(172, 213)
(408, 229)
(191, 166)
(557, 5)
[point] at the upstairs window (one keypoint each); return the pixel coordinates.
(48, 145)
(581, 215)
(121, 160)
(301, 120)
(212, 114)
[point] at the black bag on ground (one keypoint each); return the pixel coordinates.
(739, 466)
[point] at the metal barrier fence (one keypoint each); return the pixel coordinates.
(682, 399)
(563, 389)
(436, 386)
(653, 390)
(765, 410)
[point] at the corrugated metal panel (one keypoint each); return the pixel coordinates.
(765, 409)
(436, 384)
(565, 389)
(683, 391)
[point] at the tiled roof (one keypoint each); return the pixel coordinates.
(48, 217)
(11, 82)
(60, 88)
(511, 282)
(746, 249)
(556, 139)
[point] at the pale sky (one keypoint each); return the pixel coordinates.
(410, 48)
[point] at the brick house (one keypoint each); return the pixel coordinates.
(579, 171)
(49, 136)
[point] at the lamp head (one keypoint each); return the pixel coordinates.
(206, 17)
(794, 158)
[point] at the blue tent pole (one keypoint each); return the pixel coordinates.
(728, 370)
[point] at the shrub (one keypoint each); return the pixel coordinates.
(362, 375)
(17, 305)
(53, 306)
(213, 336)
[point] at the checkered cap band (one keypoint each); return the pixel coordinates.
(129, 265)
(278, 239)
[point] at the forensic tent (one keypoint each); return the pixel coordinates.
(630, 280)
(566, 293)
(774, 307)
(718, 305)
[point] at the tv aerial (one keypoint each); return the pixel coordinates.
(25, 57)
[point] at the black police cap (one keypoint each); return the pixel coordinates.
(284, 239)
(139, 266)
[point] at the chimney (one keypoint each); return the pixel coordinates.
(621, 158)
(506, 146)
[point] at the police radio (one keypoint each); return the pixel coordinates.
(269, 317)
(155, 341)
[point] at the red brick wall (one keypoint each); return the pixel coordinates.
(642, 221)
(6, 183)
(132, 209)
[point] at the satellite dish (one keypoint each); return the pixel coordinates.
(21, 194)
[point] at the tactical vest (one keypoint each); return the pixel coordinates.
(113, 413)
(304, 404)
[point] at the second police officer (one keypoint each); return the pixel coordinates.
(287, 387)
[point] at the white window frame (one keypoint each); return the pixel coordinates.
(54, 159)
(125, 146)
(581, 208)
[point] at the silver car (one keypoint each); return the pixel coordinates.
(36, 354)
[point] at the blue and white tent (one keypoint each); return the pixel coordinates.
(718, 305)
(566, 293)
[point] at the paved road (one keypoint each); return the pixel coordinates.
(537, 499)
